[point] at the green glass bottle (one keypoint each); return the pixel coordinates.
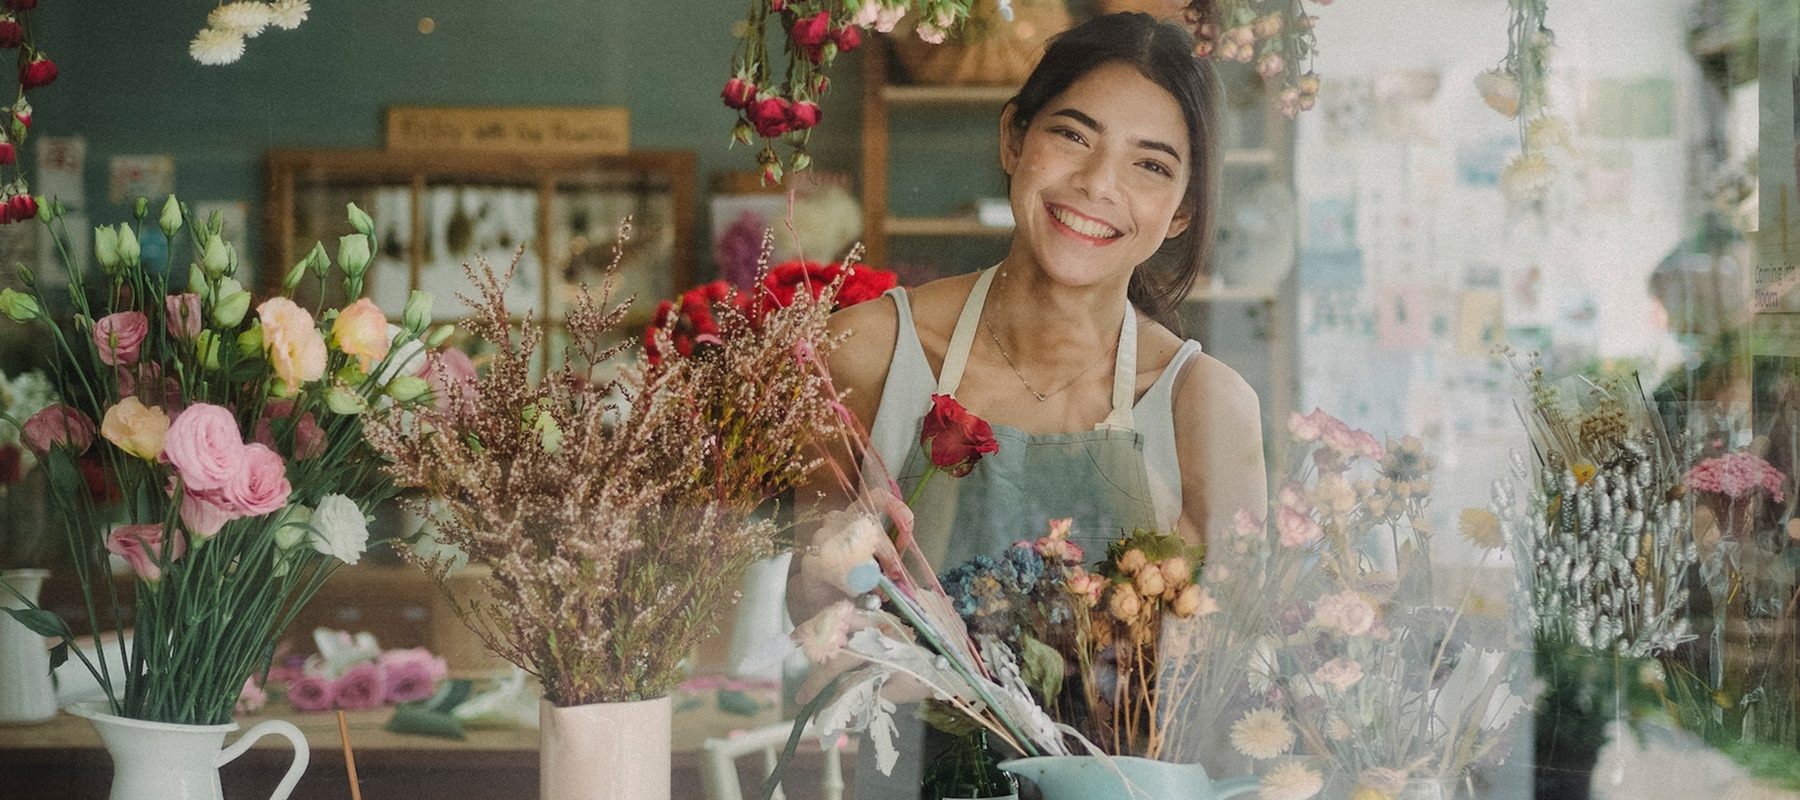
(967, 770)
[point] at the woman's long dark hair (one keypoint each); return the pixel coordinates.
(1164, 53)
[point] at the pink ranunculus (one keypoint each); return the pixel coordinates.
(182, 316)
(360, 687)
(411, 674)
(204, 513)
(260, 485)
(58, 424)
(118, 336)
(142, 547)
(205, 447)
(360, 331)
(311, 693)
(295, 348)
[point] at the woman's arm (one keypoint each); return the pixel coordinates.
(859, 368)
(1218, 443)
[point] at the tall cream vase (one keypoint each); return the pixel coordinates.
(26, 694)
(605, 751)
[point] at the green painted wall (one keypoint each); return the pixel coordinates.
(129, 87)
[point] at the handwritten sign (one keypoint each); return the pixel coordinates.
(533, 129)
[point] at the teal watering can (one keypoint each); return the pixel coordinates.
(1090, 778)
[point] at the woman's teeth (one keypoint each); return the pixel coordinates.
(1082, 225)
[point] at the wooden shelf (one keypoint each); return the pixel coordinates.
(923, 95)
(941, 226)
(1202, 294)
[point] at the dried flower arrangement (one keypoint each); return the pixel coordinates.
(616, 515)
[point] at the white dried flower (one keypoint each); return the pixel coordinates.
(1263, 733)
(215, 47)
(246, 18)
(1527, 178)
(1291, 781)
(288, 14)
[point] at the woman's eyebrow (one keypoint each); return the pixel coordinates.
(1147, 144)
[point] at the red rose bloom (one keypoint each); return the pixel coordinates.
(864, 284)
(690, 321)
(811, 31)
(848, 38)
(802, 115)
(22, 207)
(24, 118)
(11, 34)
(8, 153)
(785, 281)
(954, 438)
(38, 73)
(738, 93)
(770, 116)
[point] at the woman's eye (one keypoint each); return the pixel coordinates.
(1159, 168)
(1069, 134)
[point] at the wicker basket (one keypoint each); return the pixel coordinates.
(988, 51)
(1162, 9)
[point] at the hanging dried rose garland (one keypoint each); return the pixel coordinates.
(1516, 89)
(1276, 36)
(36, 71)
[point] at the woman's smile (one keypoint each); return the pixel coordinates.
(1080, 226)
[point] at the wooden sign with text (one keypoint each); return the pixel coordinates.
(516, 129)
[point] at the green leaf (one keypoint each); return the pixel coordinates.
(414, 719)
(450, 695)
(59, 655)
(41, 622)
(246, 370)
(1042, 667)
(65, 474)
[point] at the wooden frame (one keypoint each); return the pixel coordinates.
(300, 179)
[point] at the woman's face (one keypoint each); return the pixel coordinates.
(1099, 177)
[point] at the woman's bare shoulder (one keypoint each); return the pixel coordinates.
(1210, 392)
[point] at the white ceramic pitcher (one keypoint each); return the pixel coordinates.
(167, 761)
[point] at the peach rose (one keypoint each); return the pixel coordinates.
(118, 336)
(295, 348)
(135, 428)
(142, 547)
(261, 486)
(361, 331)
(204, 445)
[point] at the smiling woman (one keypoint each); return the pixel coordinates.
(1110, 149)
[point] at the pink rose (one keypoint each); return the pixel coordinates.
(1346, 612)
(205, 447)
(142, 547)
(1339, 673)
(182, 318)
(58, 425)
(204, 513)
(295, 348)
(118, 336)
(309, 438)
(261, 485)
(135, 428)
(311, 693)
(252, 698)
(1297, 527)
(360, 687)
(452, 378)
(411, 674)
(360, 330)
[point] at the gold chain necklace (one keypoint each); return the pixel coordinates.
(1041, 396)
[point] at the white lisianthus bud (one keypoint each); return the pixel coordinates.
(440, 336)
(292, 279)
(230, 309)
(171, 217)
(106, 248)
(344, 400)
(128, 246)
(359, 219)
(317, 260)
(293, 528)
(407, 388)
(215, 260)
(353, 254)
(417, 314)
(197, 282)
(250, 342)
(208, 344)
(18, 306)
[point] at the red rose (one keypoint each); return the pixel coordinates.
(21, 5)
(848, 38)
(8, 154)
(38, 73)
(802, 115)
(785, 281)
(11, 34)
(23, 207)
(24, 118)
(811, 31)
(777, 5)
(954, 438)
(689, 321)
(770, 116)
(864, 284)
(738, 93)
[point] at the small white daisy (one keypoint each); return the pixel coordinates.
(1263, 733)
(288, 14)
(1291, 781)
(215, 47)
(246, 18)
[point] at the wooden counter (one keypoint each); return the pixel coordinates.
(63, 759)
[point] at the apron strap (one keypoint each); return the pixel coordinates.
(956, 357)
(962, 340)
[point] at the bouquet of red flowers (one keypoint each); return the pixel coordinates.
(691, 321)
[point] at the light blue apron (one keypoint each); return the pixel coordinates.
(1096, 477)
